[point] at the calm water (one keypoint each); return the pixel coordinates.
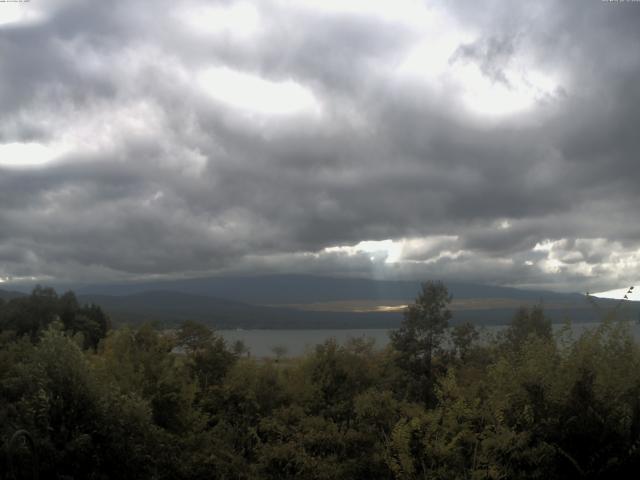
(297, 342)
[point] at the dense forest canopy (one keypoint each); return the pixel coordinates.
(142, 403)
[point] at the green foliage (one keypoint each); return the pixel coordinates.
(336, 375)
(419, 338)
(527, 322)
(79, 425)
(438, 443)
(193, 336)
(29, 316)
(145, 404)
(463, 337)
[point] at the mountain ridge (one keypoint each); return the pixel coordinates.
(276, 289)
(305, 301)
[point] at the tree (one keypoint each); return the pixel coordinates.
(463, 336)
(193, 336)
(31, 315)
(93, 323)
(526, 323)
(420, 336)
(208, 357)
(28, 316)
(279, 351)
(240, 348)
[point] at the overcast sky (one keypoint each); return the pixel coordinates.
(488, 141)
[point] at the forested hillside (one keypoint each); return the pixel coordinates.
(283, 289)
(313, 302)
(140, 403)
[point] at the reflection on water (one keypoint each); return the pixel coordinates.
(296, 342)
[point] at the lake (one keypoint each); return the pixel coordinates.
(297, 342)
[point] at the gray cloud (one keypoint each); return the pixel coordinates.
(158, 174)
(491, 55)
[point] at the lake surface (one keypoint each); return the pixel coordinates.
(297, 342)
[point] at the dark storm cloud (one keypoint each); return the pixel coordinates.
(159, 176)
(490, 54)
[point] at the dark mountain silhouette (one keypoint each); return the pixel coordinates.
(171, 308)
(302, 301)
(285, 289)
(9, 294)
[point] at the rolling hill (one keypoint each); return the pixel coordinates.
(9, 294)
(292, 289)
(301, 301)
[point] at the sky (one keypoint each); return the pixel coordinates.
(481, 141)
